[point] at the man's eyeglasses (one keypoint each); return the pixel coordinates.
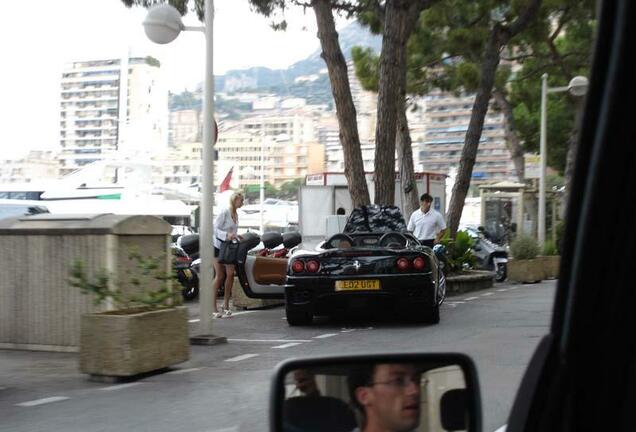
(402, 382)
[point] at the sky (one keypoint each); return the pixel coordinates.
(37, 41)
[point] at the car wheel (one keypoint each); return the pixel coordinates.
(190, 293)
(296, 317)
(501, 272)
(441, 289)
(433, 315)
(190, 289)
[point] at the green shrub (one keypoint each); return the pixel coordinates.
(550, 248)
(524, 247)
(159, 295)
(459, 250)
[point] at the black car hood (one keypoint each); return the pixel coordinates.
(375, 218)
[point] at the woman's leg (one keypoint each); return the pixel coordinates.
(219, 274)
(229, 281)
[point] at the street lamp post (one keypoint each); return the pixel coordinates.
(262, 182)
(577, 87)
(162, 25)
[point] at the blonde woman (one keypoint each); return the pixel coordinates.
(225, 229)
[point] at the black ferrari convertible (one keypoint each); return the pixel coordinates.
(373, 264)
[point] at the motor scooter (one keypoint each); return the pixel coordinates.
(488, 255)
(186, 275)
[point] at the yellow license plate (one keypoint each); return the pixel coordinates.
(188, 273)
(358, 285)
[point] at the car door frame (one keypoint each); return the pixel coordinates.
(583, 373)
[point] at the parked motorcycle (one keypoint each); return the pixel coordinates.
(488, 255)
(187, 277)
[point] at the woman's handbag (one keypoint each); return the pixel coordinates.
(228, 253)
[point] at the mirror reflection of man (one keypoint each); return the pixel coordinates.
(306, 382)
(426, 223)
(387, 396)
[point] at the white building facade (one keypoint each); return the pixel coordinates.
(111, 107)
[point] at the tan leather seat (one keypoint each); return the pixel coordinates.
(270, 271)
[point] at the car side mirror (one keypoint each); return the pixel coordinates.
(438, 392)
(481, 229)
(477, 248)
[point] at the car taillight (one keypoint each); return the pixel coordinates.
(403, 264)
(419, 263)
(298, 266)
(312, 266)
(183, 259)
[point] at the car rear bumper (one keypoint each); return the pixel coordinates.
(320, 296)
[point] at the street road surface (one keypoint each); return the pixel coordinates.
(226, 387)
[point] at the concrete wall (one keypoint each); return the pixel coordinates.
(38, 308)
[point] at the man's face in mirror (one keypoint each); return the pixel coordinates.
(306, 382)
(392, 400)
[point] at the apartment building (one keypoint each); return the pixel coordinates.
(111, 106)
(447, 118)
(286, 141)
(184, 126)
(38, 165)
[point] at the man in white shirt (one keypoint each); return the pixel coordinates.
(427, 224)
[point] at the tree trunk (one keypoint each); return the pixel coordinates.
(345, 109)
(579, 109)
(489, 66)
(399, 22)
(499, 37)
(513, 143)
(405, 158)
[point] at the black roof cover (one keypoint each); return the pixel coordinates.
(375, 218)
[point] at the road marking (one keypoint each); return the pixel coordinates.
(502, 429)
(241, 357)
(42, 401)
(230, 429)
(487, 294)
(513, 288)
(347, 331)
(452, 305)
(182, 371)
(471, 298)
(269, 340)
(233, 315)
(503, 290)
(324, 336)
(289, 345)
(119, 386)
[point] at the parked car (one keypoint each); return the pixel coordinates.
(373, 263)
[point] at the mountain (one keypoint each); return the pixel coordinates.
(262, 78)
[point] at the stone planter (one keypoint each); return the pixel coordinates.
(528, 271)
(472, 280)
(551, 266)
(116, 344)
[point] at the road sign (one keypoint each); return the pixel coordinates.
(532, 166)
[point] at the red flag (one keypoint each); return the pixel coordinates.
(225, 184)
